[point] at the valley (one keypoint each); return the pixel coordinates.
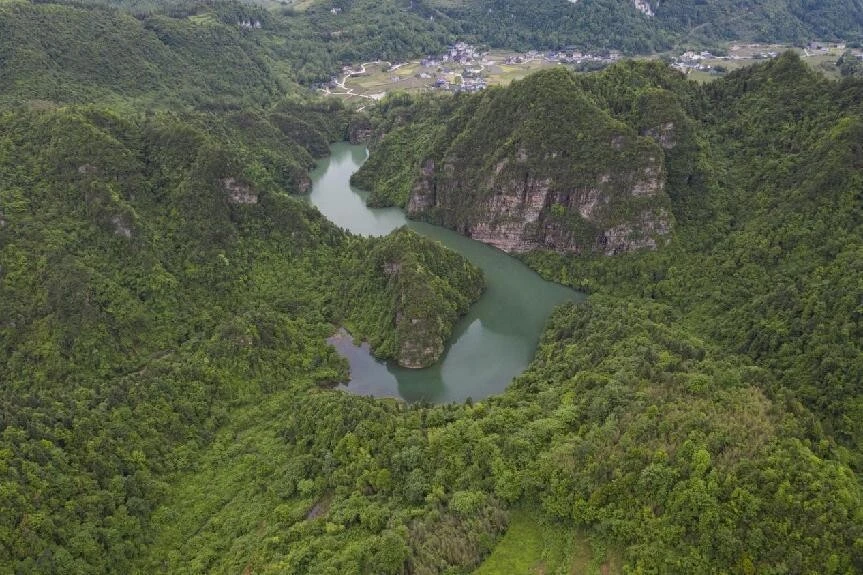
(373, 80)
(534, 320)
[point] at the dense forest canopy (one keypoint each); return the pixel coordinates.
(166, 401)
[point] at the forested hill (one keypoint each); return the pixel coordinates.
(538, 164)
(156, 278)
(193, 55)
(767, 259)
(246, 51)
(764, 177)
(63, 54)
(651, 25)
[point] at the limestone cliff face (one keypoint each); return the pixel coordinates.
(427, 301)
(360, 133)
(524, 205)
(420, 344)
(538, 165)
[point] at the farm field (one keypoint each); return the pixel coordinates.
(373, 80)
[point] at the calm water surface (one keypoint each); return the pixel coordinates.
(490, 345)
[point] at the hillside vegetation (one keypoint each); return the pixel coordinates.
(619, 24)
(645, 436)
(219, 53)
(764, 182)
(768, 254)
(192, 54)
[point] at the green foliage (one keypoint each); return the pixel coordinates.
(627, 430)
(413, 125)
(535, 544)
(191, 54)
(767, 255)
(212, 55)
(158, 60)
(758, 320)
(617, 24)
(132, 320)
(796, 21)
(666, 436)
(589, 24)
(850, 65)
(393, 169)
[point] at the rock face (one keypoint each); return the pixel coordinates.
(664, 135)
(360, 131)
(520, 208)
(429, 287)
(121, 227)
(304, 185)
(239, 193)
(421, 346)
(419, 340)
(538, 165)
(643, 7)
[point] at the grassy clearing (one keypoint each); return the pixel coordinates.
(205, 19)
(520, 551)
(298, 5)
(510, 72)
(535, 545)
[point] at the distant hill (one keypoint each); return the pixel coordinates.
(188, 51)
(220, 55)
(652, 25)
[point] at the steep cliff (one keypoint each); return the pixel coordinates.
(417, 288)
(537, 165)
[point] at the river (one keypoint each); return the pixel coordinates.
(490, 345)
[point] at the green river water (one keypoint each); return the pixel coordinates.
(490, 345)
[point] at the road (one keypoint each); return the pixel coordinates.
(350, 91)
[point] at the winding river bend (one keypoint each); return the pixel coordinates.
(490, 345)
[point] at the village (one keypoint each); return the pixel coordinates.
(465, 68)
(702, 65)
(461, 68)
(477, 67)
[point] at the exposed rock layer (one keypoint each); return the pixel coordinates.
(519, 213)
(539, 165)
